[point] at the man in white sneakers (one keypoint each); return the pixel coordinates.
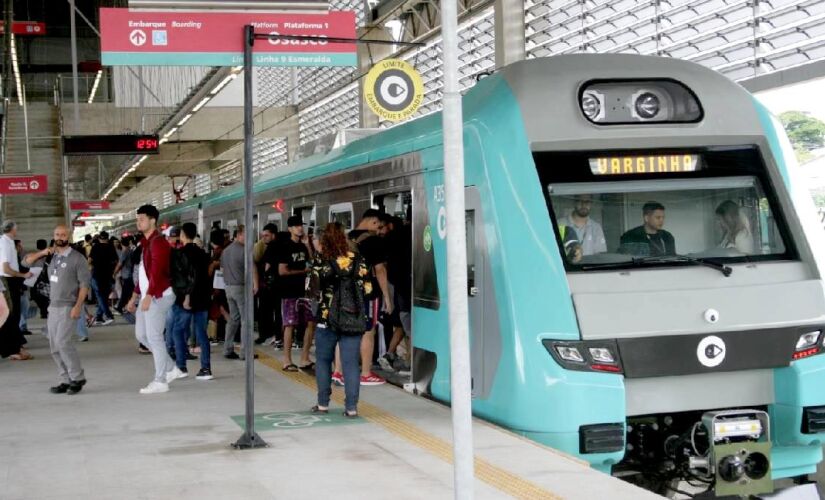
(154, 290)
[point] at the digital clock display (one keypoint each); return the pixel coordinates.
(79, 145)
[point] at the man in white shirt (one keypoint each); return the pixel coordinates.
(11, 339)
(589, 232)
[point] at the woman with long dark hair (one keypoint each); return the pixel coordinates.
(341, 318)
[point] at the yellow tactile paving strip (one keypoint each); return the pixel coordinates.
(493, 475)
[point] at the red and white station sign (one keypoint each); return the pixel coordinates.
(89, 205)
(31, 28)
(23, 184)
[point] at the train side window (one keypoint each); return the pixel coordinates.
(343, 213)
(397, 204)
(307, 213)
(277, 219)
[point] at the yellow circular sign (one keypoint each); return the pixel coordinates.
(393, 89)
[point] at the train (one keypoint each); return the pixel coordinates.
(645, 265)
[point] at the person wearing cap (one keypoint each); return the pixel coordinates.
(103, 259)
(234, 277)
(11, 339)
(293, 268)
(172, 234)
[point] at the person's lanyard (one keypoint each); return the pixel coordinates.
(57, 263)
(657, 243)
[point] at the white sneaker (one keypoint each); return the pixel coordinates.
(155, 388)
(174, 374)
(107, 322)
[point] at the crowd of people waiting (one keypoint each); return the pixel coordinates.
(329, 287)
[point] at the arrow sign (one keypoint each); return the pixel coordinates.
(137, 37)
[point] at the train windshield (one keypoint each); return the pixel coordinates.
(663, 209)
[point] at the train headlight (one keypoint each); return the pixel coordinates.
(592, 105)
(637, 102)
(807, 340)
(569, 353)
(602, 355)
(647, 105)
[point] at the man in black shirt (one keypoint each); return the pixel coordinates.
(269, 302)
(293, 261)
(373, 249)
(103, 259)
(193, 296)
(649, 239)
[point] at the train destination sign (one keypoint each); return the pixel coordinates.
(199, 38)
(640, 165)
(129, 144)
(23, 184)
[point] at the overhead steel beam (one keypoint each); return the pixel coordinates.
(785, 77)
(255, 5)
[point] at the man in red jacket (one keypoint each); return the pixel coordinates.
(154, 290)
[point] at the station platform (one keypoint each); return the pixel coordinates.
(111, 442)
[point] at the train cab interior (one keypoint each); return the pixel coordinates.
(710, 210)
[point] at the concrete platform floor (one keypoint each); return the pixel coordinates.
(111, 442)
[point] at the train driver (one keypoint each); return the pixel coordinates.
(649, 239)
(588, 232)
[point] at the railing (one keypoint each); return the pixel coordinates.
(41, 87)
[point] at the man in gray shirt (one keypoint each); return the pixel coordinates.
(69, 277)
(589, 232)
(232, 264)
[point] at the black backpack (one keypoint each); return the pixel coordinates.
(347, 314)
(182, 273)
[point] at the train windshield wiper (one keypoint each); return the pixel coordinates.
(703, 261)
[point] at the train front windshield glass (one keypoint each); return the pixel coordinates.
(701, 209)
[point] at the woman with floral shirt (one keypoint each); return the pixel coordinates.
(340, 276)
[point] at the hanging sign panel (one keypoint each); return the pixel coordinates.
(23, 184)
(180, 38)
(89, 205)
(26, 28)
(393, 89)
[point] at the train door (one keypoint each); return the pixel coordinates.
(400, 263)
(277, 219)
(485, 339)
(475, 277)
(343, 213)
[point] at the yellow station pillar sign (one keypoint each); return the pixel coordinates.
(393, 90)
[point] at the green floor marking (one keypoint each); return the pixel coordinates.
(297, 420)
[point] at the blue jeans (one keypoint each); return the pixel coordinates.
(102, 291)
(82, 329)
(168, 329)
(183, 320)
(24, 311)
(325, 341)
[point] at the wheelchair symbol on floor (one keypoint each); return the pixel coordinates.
(292, 420)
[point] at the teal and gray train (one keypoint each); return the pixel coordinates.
(701, 365)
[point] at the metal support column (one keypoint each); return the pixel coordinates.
(456, 257)
(75, 83)
(250, 438)
(509, 32)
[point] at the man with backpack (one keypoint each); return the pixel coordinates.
(193, 290)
